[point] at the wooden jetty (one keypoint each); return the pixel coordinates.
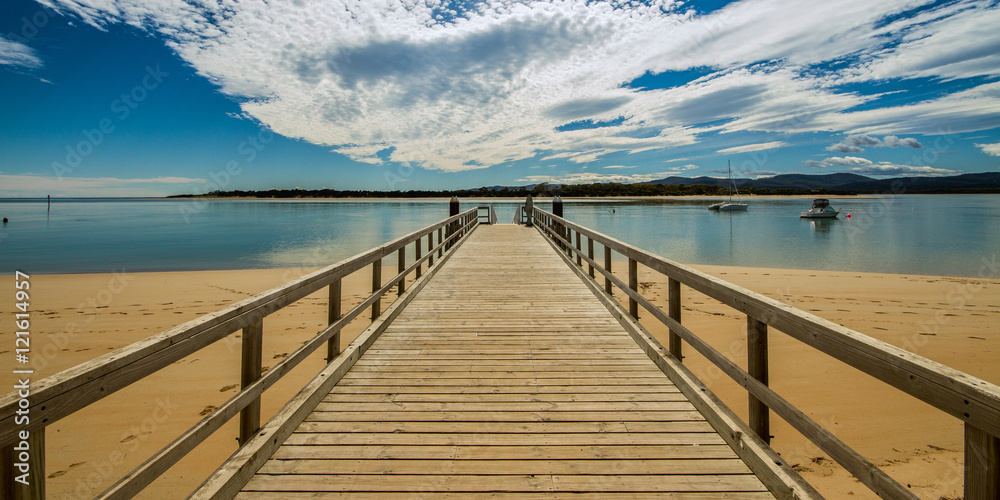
(509, 368)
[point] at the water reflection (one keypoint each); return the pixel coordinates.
(822, 225)
(949, 235)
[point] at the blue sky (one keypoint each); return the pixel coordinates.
(158, 97)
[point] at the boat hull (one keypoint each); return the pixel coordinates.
(819, 215)
(733, 207)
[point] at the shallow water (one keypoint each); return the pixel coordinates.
(934, 234)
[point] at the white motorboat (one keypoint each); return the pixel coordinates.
(821, 209)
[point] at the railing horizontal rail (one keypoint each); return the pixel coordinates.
(853, 461)
(968, 398)
(71, 390)
(963, 396)
(66, 392)
(154, 467)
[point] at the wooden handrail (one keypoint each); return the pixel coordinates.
(968, 398)
(67, 392)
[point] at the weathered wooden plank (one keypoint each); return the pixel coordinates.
(506, 398)
(507, 407)
(549, 495)
(456, 381)
(494, 483)
(366, 452)
(527, 391)
(490, 439)
(473, 467)
(491, 416)
(506, 427)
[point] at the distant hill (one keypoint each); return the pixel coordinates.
(829, 184)
(854, 183)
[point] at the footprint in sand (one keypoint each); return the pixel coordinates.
(128, 438)
(228, 388)
(208, 409)
(61, 472)
(279, 356)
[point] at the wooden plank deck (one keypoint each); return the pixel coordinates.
(505, 377)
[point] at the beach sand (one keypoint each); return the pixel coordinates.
(76, 318)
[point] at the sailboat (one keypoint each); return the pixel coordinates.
(730, 206)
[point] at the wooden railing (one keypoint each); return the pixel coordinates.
(65, 393)
(971, 400)
(490, 217)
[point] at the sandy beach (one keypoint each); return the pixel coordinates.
(77, 318)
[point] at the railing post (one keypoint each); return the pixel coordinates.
(607, 267)
(982, 464)
(453, 208)
(528, 209)
(674, 311)
(430, 247)
(333, 314)
(440, 240)
(253, 337)
(400, 267)
(376, 286)
(418, 252)
(590, 255)
(759, 414)
(579, 256)
(633, 283)
(35, 473)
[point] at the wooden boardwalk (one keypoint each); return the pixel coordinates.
(505, 375)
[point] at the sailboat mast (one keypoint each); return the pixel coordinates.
(729, 165)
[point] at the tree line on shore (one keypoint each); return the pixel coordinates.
(543, 190)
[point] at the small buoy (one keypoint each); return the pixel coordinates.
(4, 220)
(848, 216)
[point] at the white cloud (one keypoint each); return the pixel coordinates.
(864, 166)
(595, 178)
(29, 185)
(753, 147)
(839, 161)
(990, 149)
(495, 83)
(955, 41)
(858, 142)
(619, 167)
(891, 141)
(14, 53)
(886, 169)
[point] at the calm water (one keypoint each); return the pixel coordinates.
(944, 235)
